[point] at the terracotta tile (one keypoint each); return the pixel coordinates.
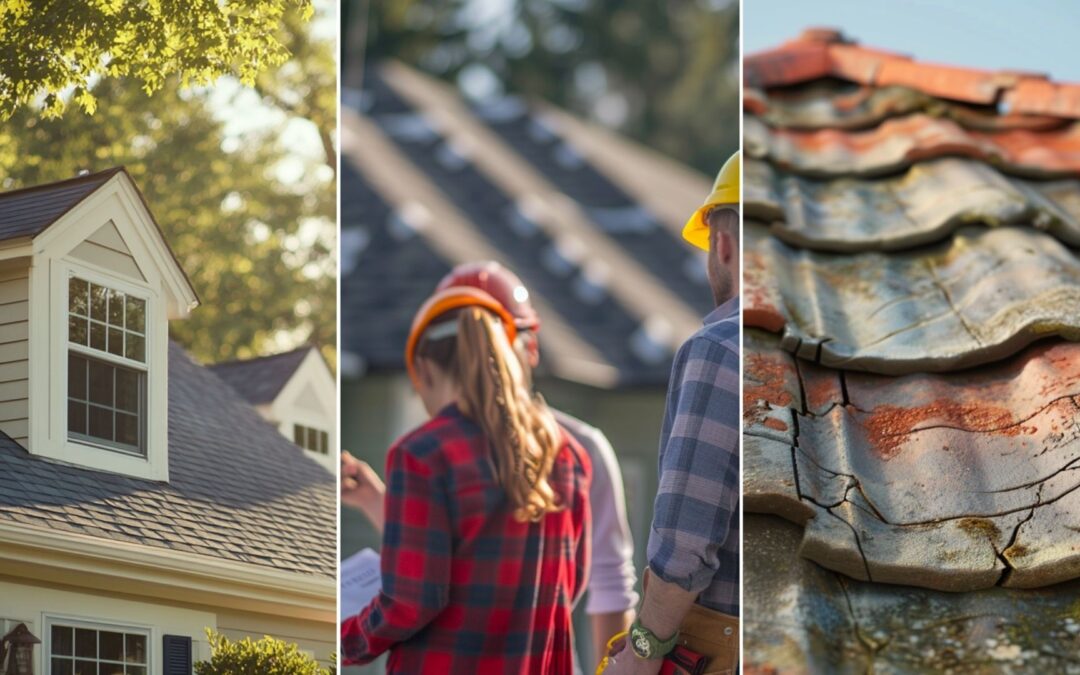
(900, 142)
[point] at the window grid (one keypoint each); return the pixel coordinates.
(116, 419)
(106, 320)
(311, 439)
(77, 650)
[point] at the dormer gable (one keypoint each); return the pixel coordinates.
(91, 285)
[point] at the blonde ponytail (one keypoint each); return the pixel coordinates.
(523, 434)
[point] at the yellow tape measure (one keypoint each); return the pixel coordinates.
(610, 643)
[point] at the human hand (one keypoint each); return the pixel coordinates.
(362, 489)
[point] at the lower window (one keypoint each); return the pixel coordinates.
(106, 403)
(79, 650)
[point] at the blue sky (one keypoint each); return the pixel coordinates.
(1037, 35)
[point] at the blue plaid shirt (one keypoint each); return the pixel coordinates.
(694, 541)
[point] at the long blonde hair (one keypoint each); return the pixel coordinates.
(523, 436)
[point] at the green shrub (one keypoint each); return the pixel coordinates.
(268, 656)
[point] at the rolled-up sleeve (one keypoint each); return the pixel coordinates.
(699, 465)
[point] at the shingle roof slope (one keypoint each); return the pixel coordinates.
(260, 379)
(27, 212)
(237, 490)
(905, 223)
(391, 264)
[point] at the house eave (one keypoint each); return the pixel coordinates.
(115, 567)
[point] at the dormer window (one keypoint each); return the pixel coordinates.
(106, 367)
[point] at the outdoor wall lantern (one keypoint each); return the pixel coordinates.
(18, 647)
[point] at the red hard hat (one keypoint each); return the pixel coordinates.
(501, 284)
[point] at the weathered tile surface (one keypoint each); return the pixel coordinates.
(930, 480)
(833, 105)
(900, 142)
(978, 297)
(801, 618)
(923, 205)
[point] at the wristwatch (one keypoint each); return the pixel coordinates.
(647, 646)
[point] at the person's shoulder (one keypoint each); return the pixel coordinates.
(713, 340)
(432, 437)
(583, 432)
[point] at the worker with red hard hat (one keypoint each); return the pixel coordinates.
(486, 516)
(611, 595)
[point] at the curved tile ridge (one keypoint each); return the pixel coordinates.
(953, 482)
(826, 53)
(979, 297)
(923, 205)
(900, 142)
(826, 105)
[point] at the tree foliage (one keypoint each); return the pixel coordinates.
(49, 46)
(665, 73)
(267, 656)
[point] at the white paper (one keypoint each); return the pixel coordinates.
(361, 580)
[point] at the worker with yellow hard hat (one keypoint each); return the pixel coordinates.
(689, 614)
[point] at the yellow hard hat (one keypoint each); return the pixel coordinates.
(725, 191)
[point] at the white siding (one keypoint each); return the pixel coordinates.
(14, 349)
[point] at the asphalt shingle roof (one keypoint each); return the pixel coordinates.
(237, 489)
(905, 223)
(391, 264)
(27, 212)
(260, 379)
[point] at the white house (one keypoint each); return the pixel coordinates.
(295, 391)
(142, 501)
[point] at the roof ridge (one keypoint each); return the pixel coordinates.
(82, 178)
(826, 52)
(262, 357)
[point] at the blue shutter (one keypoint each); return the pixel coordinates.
(176, 654)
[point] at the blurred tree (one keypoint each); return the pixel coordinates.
(255, 246)
(49, 46)
(665, 73)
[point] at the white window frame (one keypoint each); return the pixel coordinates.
(49, 620)
(153, 463)
(115, 360)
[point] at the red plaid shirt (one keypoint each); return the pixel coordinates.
(465, 587)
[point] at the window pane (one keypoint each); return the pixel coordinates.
(86, 643)
(111, 646)
(101, 423)
(101, 383)
(324, 443)
(78, 296)
(86, 668)
(110, 669)
(97, 335)
(116, 341)
(127, 390)
(298, 435)
(312, 439)
(98, 302)
(62, 640)
(61, 666)
(116, 308)
(76, 418)
(78, 330)
(136, 670)
(136, 649)
(127, 429)
(76, 377)
(136, 347)
(136, 314)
